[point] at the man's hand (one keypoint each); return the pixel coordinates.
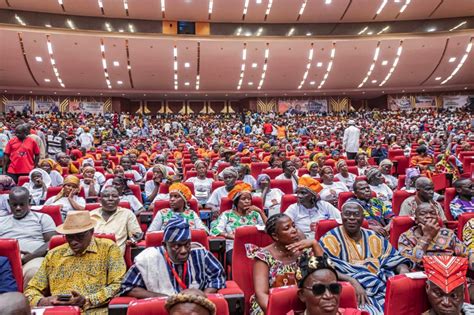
(361, 295)
(77, 299)
(430, 229)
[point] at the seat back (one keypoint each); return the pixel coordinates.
(53, 191)
(285, 185)
(242, 267)
(164, 204)
(58, 240)
(285, 299)
(302, 171)
(216, 184)
(272, 172)
(22, 180)
(165, 188)
(226, 203)
(399, 225)
(402, 164)
(256, 168)
(449, 195)
(222, 166)
(62, 310)
(10, 249)
(190, 174)
(394, 153)
(155, 238)
(398, 197)
(342, 198)
(136, 192)
(286, 201)
(54, 212)
(405, 296)
(156, 306)
(401, 181)
(440, 181)
(462, 220)
(353, 170)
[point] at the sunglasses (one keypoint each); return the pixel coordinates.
(320, 289)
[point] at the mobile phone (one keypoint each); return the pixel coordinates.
(64, 297)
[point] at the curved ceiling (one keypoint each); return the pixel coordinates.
(253, 11)
(135, 65)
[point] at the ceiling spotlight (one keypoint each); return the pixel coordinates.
(312, 82)
(384, 63)
(438, 78)
(48, 25)
(250, 83)
(328, 1)
(452, 59)
(254, 65)
(187, 65)
(431, 29)
(119, 82)
(39, 59)
(374, 81)
(186, 83)
(47, 80)
(319, 64)
(308, 34)
(116, 63)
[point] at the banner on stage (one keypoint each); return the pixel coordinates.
(17, 106)
(94, 108)
(425, 101)
(399, 103)
(455, 101)
(302, 106)
(46, 107)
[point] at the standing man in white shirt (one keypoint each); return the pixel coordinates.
(350, 142)
(86, 139)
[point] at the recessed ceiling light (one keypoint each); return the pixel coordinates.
(304, 94)
(258, 1)
(328, 1)
(187, 65)
(319, 64)
(144, 94)
(312, 82)
(465, 87)
(55, 92)
(438, 78)
(385, 62)
(308, 34)
(370, 33)
(254, 65)
(431, 29)
(186, 83)
(250, 83)
(119, 82)
(423, 90)
(78, 93)
(31, 91)
(403, 91)
(116, 63)
(47, 25)
(47, 80)
(452, 59)
(374, 81)
(39, 59)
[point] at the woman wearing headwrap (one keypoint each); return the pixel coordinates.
(243, 213)
(229, 176)
(344, 175)
(118, 172)
(309, 207)
(68, 198)
(121, 184)
(271, 197)
(377, 185)
(331, 189)
(319, 158)
(98, 176)
(244, 175)
(64, 160)
(179, 197)
(386, 170)
(54, 170)
(180, 303)
(89, 183)
(38, 186)
(152, 186)
(313, 169)
(202, 184)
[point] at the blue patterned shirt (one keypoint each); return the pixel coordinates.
(459, 206)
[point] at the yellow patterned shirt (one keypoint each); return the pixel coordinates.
(468, 234)
(96, 274)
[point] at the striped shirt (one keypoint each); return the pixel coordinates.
(204, 271)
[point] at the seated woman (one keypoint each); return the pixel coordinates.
(98, 176)
(54, 170)
(313, 169)
(377, 185)
(68, 198)
(38, 186)
(289, 172)
(152, 186)
(276, 264)
(244, 175)
(118, 172)
(111, 218)
(126, 194)
(243, 213)
(318, 287)
(126, 163)
(319, 158)
(89, 183)
(202, 184)
(344, 175)
(386, 169)
(331, 189)
(362, 163)
(179, 197)
(230, 176)
(271, 197)
(190, 301)
(422, 160)
(64, 160)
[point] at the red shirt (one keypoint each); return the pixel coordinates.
(22, 155)
(267, 128)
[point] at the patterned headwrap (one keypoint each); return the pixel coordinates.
(54, 165)
(190, 298)
(230, 170)
(446, 272)
(182, 190)
(70, 179)
(309, 165)
(238, 189)
(339, 164)
(177, 230)
(371, 172)
(199, 162)
(386, 162)
(317, 156)
(262, 177)
(88, 161)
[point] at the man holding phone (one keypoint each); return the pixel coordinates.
(84, 272)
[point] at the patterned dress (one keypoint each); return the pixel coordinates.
(375, 211)
(164, 215)
(468, 234)
(276, 268)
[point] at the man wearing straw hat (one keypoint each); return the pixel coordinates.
(84, 272)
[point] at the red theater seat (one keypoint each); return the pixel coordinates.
(402, 164)
(155, 239)
(62, 310)
(190, 174)
(54, 212)
(399, 225)
(257, 167)
(222, 166)
(286, 201)
(398, 197)
(285, 185)
(136, 192)
(394, 153)
(9, 248)
(226, 203)
(156, 306)
(165, 188)
(405, 296)
(53, 191)
(272, 172)
(58, 240)
(353, 170)
(449, 195)
(23, 180)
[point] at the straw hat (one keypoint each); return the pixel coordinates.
(76, 222)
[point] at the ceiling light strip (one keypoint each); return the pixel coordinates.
(372, 66)
(19, 20)
(62, 5)
(246, 7)
(265, 66)
(363, 30)
(380, 9)
(20, 38)
(101, 6)
(198, 65)
(242, 67)
(125, 7)
(163, 8)
(269, 7)
(308, 66)
(104, 64)
(329, 67)
(394, 64)
(129, 67)
(403, 8)
(383, 30)
(71, 25)
(461, 62)
(53, 61)
(458, 26)
(175, 66)
(211, 5)
(301, 11)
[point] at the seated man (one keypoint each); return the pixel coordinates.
(424, 193)
(363, 258)
(427, 238)
(375, 211)
(33, 231)
(445, 285)
(464, 200)
(87, 270)
(177, 265)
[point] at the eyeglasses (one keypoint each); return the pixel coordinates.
(320, 289)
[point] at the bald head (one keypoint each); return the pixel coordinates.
(424, 189)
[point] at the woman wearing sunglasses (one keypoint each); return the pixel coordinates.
(318, 287)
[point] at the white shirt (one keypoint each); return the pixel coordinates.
(136, 176)
(65, 204)
(331, 192)
(304, 217)
(86, 188)
(348, 181)
(202, 188)
(351, 139)
(86, 140)
(293, 180)
(135, 204)
(56, 178)
(384, 193)
(215, 198)
(391, 181)
(272, 201)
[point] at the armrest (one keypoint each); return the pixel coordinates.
(234, 297)
(145, 217)
(119, 305)
(217, 246)
(452, 225)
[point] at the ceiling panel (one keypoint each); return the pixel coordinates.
(13, 70)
